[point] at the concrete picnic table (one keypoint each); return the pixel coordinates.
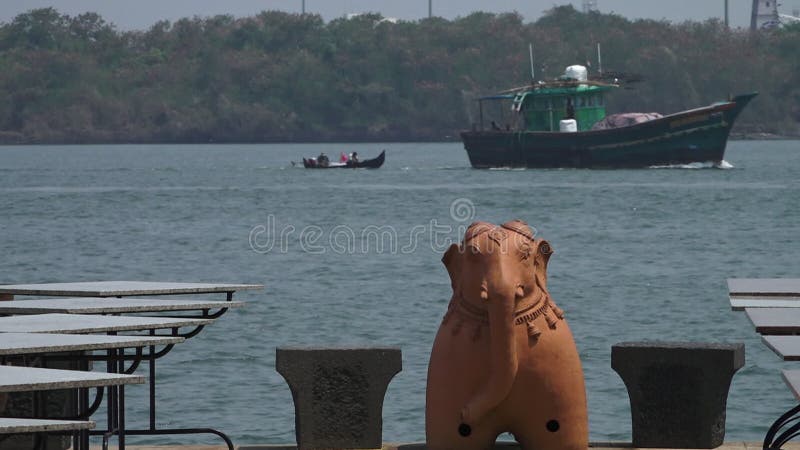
(18, 344)
(771, 321)
(35, 380)
(26, 379)
(122, 289)
(96, 305)
(24, 344)
(773, 306)
(88, 324)
(787, 347)
(763, 293)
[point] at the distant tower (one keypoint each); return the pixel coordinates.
(727, 16)
(765, 14)
(589, 6)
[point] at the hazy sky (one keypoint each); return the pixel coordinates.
(141, 14)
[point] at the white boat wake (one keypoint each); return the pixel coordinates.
(725, 165)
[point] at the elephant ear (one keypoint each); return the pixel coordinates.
(543, 252)
(451, 262)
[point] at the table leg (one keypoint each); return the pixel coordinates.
(112, 394)
(83, 408)
(152, 430)
(773, 440)
(121, 418)
(152, 368)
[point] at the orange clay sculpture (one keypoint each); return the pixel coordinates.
(504, 359)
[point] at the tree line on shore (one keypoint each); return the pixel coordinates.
(281, 77)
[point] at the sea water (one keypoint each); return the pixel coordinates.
(352, 257)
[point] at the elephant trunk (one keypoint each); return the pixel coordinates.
(500, 296)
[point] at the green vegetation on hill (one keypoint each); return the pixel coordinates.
(289, 77)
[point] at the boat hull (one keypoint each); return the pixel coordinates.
(698, 135)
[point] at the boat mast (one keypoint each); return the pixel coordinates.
(533, 72)
(599, 60)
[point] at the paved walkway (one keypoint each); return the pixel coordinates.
(597, 445)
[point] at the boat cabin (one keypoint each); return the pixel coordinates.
(543, 109)
(542, 106)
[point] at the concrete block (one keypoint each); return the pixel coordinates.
(338, 394)
(678, 390)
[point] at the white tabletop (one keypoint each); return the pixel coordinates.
(775, 320)
(740, 303)
(37, 343)
(96, 305)
(17, 426)
(122, 288)
(792, 379)
(85, 323)
(779, 287)
(20, 379)
(787, 347)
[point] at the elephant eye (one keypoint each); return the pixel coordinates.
(525, 252)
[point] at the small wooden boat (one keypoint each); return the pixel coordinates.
(374, 163)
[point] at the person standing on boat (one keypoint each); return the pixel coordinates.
(354, 157)
(570, 109)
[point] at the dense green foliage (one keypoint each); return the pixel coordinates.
(290, 77)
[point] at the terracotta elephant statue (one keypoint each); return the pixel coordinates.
(504, 359)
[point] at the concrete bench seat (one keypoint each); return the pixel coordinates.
(24, 426)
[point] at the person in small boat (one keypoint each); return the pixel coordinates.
(354, 158)
(323, 160)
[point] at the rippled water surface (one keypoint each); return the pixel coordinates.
(351, 257)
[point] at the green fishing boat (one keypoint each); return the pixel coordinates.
(563, 123)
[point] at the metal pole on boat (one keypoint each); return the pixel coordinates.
(599, 60)
(430, 9)
(533, 72)
(304, 7)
